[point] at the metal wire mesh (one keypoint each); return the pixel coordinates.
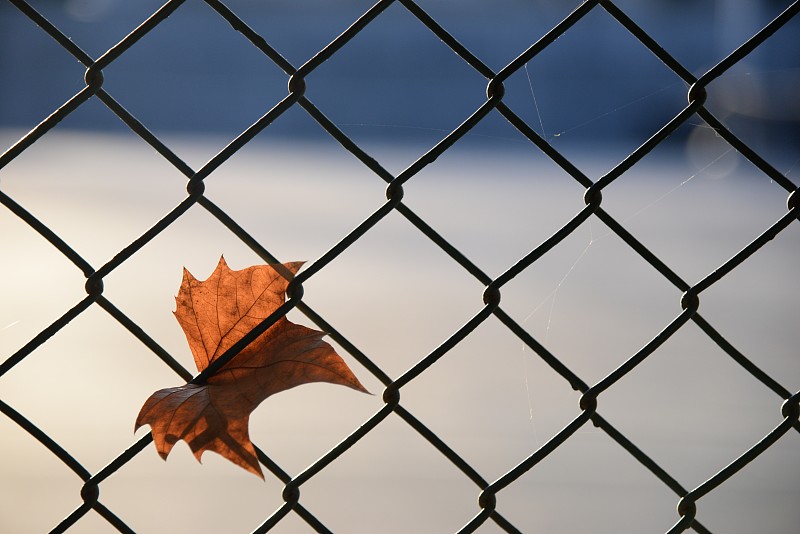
(486, 491)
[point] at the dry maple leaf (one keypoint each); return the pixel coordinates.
(214, 315)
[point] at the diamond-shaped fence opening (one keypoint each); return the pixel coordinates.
(45, 93)
(239, 83)
(416, 82)
(552, 340)
(599, 67)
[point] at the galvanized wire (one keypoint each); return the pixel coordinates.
(687, 294)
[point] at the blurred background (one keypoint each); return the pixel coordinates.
(595, 95)
(396, 80)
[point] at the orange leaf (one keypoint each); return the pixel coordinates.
(214, 315)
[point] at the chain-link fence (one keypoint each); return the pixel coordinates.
(487, 492)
